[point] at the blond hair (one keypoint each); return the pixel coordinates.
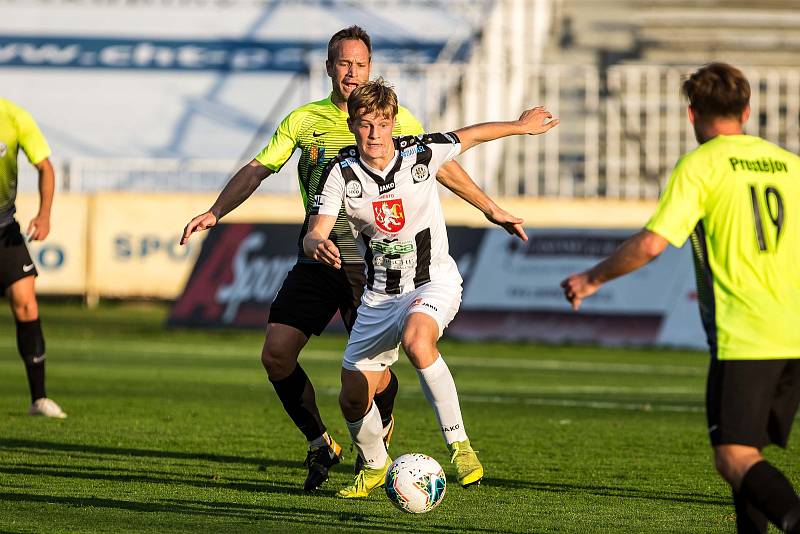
(372, 97)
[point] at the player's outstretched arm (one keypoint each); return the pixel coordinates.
(39, 227)
(532, 122)
(316, 244)
(237, 190)
(455, 178)
(631, 255)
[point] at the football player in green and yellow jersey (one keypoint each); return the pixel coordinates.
(737, 198)
(18, 130)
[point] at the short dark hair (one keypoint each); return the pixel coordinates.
(352, 32)
(372, 97)
(717, 90)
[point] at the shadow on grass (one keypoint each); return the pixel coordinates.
(610, 491)
(206, 482)
(26, 445)
(314, 517)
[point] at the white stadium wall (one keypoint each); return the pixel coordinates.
(162, 80)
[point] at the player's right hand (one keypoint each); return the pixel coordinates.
(577, 287)
(198, 224)
(327, 253)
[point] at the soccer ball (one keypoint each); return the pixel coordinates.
(415, 483)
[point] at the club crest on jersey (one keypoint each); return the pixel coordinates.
(420, 172)
(389, 215)
(353, 189)
(316, 154)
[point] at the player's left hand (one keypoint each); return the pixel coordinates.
(510, 223)
(577, 287)
(327, 253)
(534, 121)
(38, 228)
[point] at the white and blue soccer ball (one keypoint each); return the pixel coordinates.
(415, 483)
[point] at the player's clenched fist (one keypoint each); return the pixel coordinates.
(534, 121)
(326, 252)
(198, 224)
(577, 287)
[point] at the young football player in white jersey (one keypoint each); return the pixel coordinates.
(413, 285)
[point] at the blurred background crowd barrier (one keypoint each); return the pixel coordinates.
(151, 105)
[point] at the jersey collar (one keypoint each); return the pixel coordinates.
(339, 110)
(390, 171)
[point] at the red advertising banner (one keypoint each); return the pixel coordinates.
(238, 272)
(511, 288)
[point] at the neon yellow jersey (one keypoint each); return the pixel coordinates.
(17, 130)
(319, 130)
(739, 198)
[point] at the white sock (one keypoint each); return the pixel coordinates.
(440, 390)
(367, 437)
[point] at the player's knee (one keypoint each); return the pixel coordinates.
(353, 405)
(419, 351)
(278, 362)
(25, 310)
(733, 461)
(353, 397)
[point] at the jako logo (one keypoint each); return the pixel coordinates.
(450, 428)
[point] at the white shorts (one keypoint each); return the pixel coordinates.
(376, 334)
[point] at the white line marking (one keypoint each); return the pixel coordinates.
(562, 403)
(487, 362)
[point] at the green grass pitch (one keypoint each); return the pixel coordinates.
(173, 431)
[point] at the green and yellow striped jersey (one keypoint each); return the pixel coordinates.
(17, 130)
(319, 130)
(739, 198)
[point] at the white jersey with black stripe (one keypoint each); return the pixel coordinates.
(395, 214)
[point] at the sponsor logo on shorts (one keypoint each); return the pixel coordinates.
(27, 268)
(420, 302)
(431, 306)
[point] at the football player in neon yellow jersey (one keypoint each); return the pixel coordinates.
(17, 271)
(312, 292)
(737, 198)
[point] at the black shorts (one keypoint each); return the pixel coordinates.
(752, 402)
(15, 260)
(311, 294)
